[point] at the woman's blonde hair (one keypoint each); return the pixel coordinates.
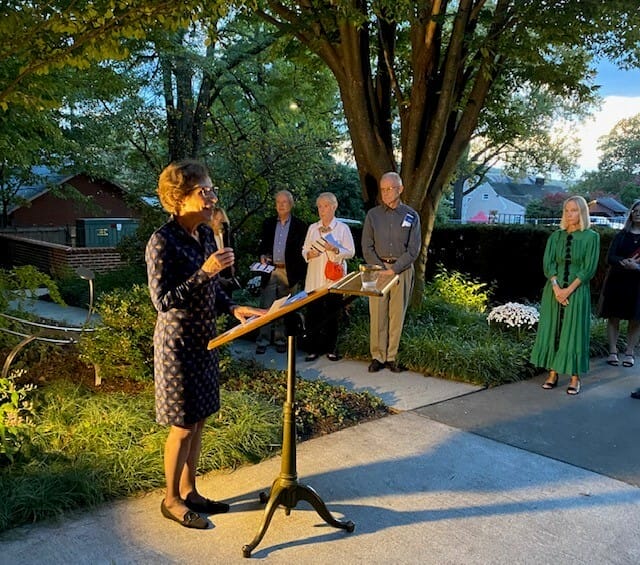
(583, 207)
(177, 180)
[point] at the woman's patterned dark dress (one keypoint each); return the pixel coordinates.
(187, 299)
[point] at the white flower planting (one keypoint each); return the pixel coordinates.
(514, 315)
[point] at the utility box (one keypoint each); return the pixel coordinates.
(103, 232)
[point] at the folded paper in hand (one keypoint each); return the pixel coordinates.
(321, 244)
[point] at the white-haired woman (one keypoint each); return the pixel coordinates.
(327, 240)
(570, 261)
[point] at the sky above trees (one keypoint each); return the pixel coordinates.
(621, 93)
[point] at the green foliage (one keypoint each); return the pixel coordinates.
(450, 341)
(123, 345)
(617, 175)
(458, 289)
(16, 413)
(22, 282)
(123, 278)
(316, 401)
(27, 139)
(41, 39)
(75, 291)
(89, 447)
(549, 207)
(488, 253)
(621, 147)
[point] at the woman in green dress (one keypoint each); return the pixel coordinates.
(570, 261)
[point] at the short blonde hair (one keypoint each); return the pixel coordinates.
(583, 207)
(177, 180)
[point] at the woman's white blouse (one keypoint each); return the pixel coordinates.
(341, 233)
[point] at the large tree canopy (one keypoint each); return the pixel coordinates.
(39, 38)
(414, 76)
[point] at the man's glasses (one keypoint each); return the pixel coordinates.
(389, 188)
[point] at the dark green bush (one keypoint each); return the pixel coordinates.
(455, 341)
(506, 256)
(450, 341)
(317, 402)
(75, 290)
(122, 346)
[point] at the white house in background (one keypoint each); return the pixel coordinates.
(501, 199)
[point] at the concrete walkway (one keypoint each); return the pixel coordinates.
(460, 475)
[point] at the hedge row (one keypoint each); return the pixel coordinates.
(509, 257)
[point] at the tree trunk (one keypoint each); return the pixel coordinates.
(438, 104)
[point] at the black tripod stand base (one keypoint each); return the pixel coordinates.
(288, 493)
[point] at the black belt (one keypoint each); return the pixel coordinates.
(388, 260)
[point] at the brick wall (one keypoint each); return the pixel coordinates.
(53, 258)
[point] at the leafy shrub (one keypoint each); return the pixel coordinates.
(123, 345)
(458, 344)
(22, 282)
(456, 288)
(599, 343)
(16, 416)
(75, 291)
(317, 402)
(89, 446)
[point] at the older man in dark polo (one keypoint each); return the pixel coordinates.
(390, 238)
(281, 245)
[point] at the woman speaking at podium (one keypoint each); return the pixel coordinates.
(183, 267)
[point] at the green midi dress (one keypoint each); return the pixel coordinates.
(562, 341)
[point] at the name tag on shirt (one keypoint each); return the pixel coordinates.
(408, 221)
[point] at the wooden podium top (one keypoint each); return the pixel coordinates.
(349, 284)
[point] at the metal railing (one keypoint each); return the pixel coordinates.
(31, 331)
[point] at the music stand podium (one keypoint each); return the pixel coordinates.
(286, 490)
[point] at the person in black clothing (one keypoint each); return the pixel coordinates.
(281, 246)
(183, 266)
(620, 298)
